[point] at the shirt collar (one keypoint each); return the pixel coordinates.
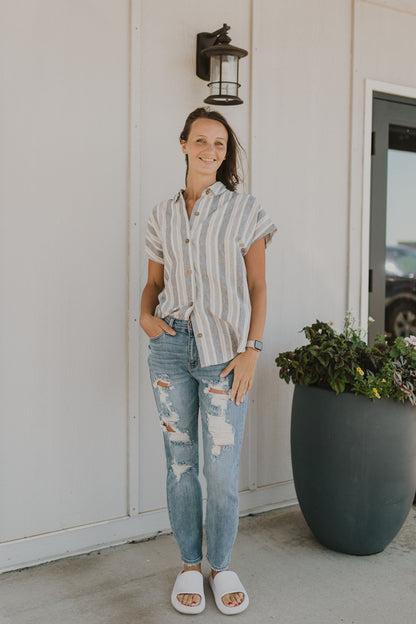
(215, 189)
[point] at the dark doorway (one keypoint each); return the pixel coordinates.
(392, 280)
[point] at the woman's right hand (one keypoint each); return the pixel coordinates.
(153, 326)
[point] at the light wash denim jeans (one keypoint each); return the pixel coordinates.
(183, 389)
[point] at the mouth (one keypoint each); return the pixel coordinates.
(208, 160)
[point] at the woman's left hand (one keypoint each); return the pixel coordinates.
(243, 365)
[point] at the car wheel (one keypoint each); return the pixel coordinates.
(401, 319)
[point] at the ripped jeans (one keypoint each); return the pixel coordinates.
(183, 389)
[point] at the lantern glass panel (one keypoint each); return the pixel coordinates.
(224, 75)
(215, 73)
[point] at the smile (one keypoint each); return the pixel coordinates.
(207, 159)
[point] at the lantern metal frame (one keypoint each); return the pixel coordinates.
(218, 44)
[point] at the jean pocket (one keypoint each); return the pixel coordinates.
(154, 338)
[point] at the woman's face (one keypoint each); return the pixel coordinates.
(206, 146)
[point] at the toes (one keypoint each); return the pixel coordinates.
(237, 599)
(227, 600)
(233, 600)
(189, 600)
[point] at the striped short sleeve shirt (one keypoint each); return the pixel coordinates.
(204, 269)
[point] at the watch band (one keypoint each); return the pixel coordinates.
(255, 344)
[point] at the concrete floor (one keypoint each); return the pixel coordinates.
(290, 578)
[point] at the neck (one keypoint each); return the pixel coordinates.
(196, 184)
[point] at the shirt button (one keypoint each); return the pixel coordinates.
(209, 192)
(190, 271)
(191, 303)
(197, 214)
(187, 240)
(199, 335)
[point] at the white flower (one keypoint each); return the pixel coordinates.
(371, 320)
(411, 341)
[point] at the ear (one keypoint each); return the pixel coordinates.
(183, 145)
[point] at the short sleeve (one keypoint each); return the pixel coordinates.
(261, 226)
(153, 243)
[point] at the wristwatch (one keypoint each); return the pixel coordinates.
(255, 344)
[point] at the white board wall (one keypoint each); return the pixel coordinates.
(75, 107)
(63, 246)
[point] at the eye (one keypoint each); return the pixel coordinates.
(220, 144)
(200, 140)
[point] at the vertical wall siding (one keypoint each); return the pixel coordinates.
(384, 46)
(301, 87)
(64, 179)
(63, 264)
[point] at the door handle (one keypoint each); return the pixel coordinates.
(370, 280)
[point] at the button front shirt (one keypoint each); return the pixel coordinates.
(204, 269)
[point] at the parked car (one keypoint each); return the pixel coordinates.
(400, 269)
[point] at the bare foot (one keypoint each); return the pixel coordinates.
(230, 600)
(190, 600)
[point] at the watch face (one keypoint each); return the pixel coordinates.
(258, 345)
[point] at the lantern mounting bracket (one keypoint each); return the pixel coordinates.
(206, 40)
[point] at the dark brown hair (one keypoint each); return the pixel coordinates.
(227, 172)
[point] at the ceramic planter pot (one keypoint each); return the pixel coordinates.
(354, 467)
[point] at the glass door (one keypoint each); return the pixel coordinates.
(392, 279)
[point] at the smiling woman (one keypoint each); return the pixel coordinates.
(207, 142)
(226, 169)
(205, 150)
(203, 309)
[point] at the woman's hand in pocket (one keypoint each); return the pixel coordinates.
(154, 326)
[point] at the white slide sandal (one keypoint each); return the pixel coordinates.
(227, 582)
(190, 582)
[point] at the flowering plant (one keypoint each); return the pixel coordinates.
(343, 362)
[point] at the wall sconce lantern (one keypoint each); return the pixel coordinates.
(217, 61)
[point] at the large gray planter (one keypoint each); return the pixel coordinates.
(354, 467)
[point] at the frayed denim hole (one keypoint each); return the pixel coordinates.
(222, 432)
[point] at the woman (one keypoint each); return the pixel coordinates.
(204, 308)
